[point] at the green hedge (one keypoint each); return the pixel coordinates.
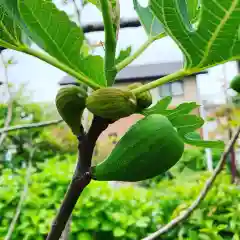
(126, 212)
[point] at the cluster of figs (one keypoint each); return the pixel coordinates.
(150, 147)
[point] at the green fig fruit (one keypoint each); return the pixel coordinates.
(144, 99)
(149, 148)
(70, 102)
(111, 103)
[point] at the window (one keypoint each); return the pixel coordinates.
(165, 90)
(113, 137)
(177, 88)
(171, 89)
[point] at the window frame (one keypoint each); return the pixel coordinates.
(160, 89)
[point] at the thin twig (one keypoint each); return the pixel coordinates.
(8, 118)
(78, 12)
(22, 198)
(81, 177)
(202, 194)
(30, 125)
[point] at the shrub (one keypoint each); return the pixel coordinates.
(125, 212)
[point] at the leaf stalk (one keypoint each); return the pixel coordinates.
(168, 78)
(141, 49)
(52, 61)
(110, 42)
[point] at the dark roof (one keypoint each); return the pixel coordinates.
(99, 27)
(146, 72)
(67, 80)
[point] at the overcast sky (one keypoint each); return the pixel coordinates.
(42, 78)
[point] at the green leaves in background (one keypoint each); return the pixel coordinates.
(150, 23)
(183, 121)
(212, 41)
(128, 211)
(124, 53)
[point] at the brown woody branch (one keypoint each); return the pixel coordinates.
(202, 194)
(81, 177)
(29, 126)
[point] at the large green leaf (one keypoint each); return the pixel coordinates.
(187, 123)
(10, 7)
(93, 67)
(194, 138)
(10, 33)
(59, 36)
(213, 40)
(161, 108)
(150, 23)
(193, 9)
(183, 108)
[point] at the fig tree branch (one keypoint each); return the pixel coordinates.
(81, 177)
(8, 118)
(22, 198)
(202, 194)
(142, 48)
(30, 126)
(77, 11)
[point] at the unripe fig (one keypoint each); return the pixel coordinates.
(144, 99)
(235, 83)
(149, 148)
(111, 103)
(70, 102)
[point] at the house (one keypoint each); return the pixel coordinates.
(183, 90)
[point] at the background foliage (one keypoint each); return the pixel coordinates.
(105, 211)
(108, 211)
